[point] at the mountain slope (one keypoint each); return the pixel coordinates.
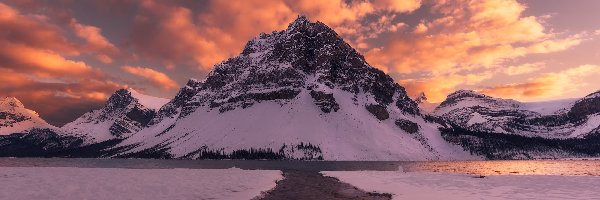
(553, 119)
(15, 118)
(125, 113)
(507, 129)
(300, 93)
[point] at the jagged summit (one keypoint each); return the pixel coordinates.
(126, 112)
(306, 55)
(15, 118)
(303, 24)
(11, 102)
(302, 92)
(120, 99)
(300, 21)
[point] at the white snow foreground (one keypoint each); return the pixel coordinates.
(105, 183)
(420, 185)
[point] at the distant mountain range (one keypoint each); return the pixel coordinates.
(304, 93)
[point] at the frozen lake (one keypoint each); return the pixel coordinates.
(485, 168)
(70, 178)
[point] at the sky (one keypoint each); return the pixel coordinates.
(62, 58)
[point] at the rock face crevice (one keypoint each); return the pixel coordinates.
(325, 101)
(407, 125)
(378, 111)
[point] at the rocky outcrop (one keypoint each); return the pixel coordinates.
(378, 111)
(325, 101)
(407, 125)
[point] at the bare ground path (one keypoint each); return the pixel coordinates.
(313, 185)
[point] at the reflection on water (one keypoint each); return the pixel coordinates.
(512, 167)
(485, 168)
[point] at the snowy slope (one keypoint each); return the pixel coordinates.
(565, 118)
(125, 112)
(150, 102)
(15, 118)
(303, 93)
(549, 107)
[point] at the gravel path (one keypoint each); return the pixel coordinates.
(313, 185)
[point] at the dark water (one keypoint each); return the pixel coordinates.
(486, 168)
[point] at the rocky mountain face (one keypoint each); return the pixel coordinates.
(300, 93)
(278, 66)
(508, 129)
(123, 115)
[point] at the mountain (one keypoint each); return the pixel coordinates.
(300, 93)
(23, 133)
(15, 118)
(552, 119)
(508, 129)
(126, 112)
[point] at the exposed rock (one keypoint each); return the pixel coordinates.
(325, 101)
(407, 125)
(378, 111)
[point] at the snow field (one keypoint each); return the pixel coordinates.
(112, 183)
(466, 187)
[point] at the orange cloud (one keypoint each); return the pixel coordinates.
(436, 88)
(57, 101)
(157, 78)
(546, 85)
(95, 40)
(469, 35)
(176, 35)
(33, 30)
(397, 5)
(38, 63)
(523, 68)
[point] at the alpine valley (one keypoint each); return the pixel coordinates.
(303, 93)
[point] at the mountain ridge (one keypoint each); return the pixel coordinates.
(304, 93)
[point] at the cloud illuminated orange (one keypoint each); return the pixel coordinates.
(157, 78)
(545, 85)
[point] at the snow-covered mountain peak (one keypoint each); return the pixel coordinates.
(466, 93)
(148, 101)
(299, 22)
(15, 118)
(472, 99)
(125, 112)
(307, 55)
(593, 95)
(119, 100)
(302, 92)
(556, 119)
(9, 102)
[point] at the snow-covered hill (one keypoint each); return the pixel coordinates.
(299, 93)
(126, 112)
(508, 129)
(551, 119)
(15, 118)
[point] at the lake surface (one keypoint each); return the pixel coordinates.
(485, 168)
